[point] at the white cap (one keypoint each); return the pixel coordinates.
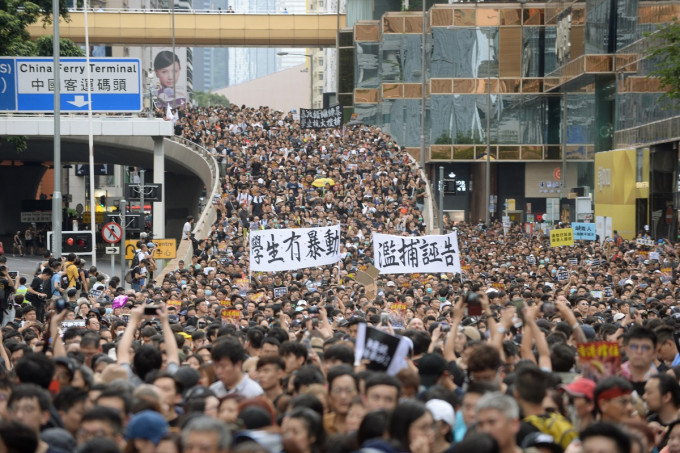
(441, 410)
(301, 302)
(619, 317)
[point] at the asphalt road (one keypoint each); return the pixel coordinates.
(27, 265)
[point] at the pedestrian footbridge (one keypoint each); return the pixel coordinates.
(195, 28)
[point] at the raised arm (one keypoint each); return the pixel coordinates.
(171, 350)
(123, 350)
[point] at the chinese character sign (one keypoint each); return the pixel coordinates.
(407, 255)
(599, 359)
(294, 248)
(380, 350)
(321, 118)
(562, 237)
(584, 231)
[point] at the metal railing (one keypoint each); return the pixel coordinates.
(428, 210)
(208, 214)
(198, 11)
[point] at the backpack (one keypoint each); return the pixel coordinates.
(65, 281)
(555, 425)
(135, 262)
(129, 275)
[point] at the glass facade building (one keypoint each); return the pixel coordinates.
(540, 84)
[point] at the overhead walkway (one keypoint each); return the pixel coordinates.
(209, 28)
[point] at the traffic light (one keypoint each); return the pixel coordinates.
(539, 218)
(102, 201)
(78, 243)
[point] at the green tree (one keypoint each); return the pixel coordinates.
(665, 52)
(67, 48)
(16, 15)
(204, 99)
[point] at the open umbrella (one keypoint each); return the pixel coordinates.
(322, 182)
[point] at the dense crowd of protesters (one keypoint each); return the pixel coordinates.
(210, 359)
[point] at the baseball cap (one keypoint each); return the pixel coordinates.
(442, 411)
(580, 387)
(619, 317)
(391, 283)
(541, 440)
(430, 368)
(301, 302)
(471, 333)
(149, 425)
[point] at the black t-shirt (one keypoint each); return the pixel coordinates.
(37, 285)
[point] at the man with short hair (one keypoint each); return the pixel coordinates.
(603, 437)
(613, 400)
(662, 396)
(30, 405)
(294, 354)
(38, 293)
(102, 422)
(227, 356)
(269, 371)
(498, 416)
(640, 346)
(70, 403)
(381, 391)
(206, 435)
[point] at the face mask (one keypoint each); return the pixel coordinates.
(554, 271)
(198, 267)
(109, 310)
(208, 292)
(429, 290)
(184, 282)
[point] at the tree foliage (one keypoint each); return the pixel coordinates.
(16, 15)
(67, 48)
(665, 52)
(204, 99)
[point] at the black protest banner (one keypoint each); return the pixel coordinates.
(382, 351)
(321, 118)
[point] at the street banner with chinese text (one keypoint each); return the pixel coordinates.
(294, 248)
(599, 359)
(382, 351)
(321, 118)
(562, 237)
(407, 255)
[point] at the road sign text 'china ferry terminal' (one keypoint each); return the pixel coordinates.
(27, 84)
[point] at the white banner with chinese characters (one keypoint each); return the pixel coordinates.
(294, 248)
(406, 255)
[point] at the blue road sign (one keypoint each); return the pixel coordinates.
(27, 84)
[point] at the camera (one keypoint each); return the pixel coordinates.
(444, 327)
(384, 319)
(60, 305)
(313, 310)
(151, 310)
(473, 302)
(548, 308)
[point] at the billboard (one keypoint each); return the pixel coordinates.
(618, 184)
(169, 82)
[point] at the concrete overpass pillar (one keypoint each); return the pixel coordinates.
(159, 178)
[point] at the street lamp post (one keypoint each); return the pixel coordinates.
(311, 73)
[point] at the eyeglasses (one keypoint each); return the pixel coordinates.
(640, 347)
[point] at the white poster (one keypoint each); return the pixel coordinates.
(294, 248)
(406, 255)
(380, 350)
